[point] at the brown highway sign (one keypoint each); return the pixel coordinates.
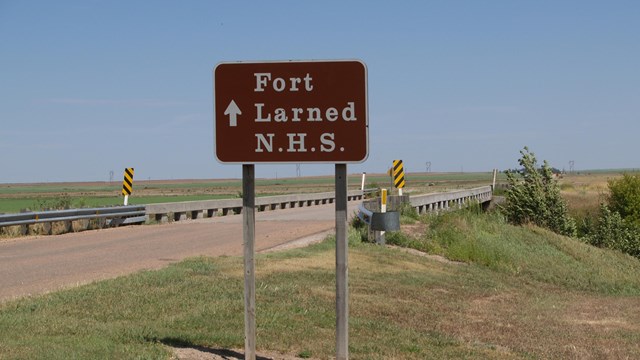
(291, 112)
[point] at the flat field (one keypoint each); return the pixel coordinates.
(19, 197)
(584, 191)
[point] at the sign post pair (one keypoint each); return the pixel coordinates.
(292, 112)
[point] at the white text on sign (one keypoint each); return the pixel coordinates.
(266, 82)
(279, 84)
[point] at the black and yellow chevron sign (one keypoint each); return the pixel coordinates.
(398, 174)
(127, 184)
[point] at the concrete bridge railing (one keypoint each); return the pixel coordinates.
(453, 199)
(164, 212)
(209, 208)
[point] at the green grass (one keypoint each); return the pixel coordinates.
(533, 253)
(10, 189)
(56, 188)
(522, 294)
(11, 205)
(199, 302)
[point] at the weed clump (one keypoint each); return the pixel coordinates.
(359, 229)
(408, 214)
(534, 198)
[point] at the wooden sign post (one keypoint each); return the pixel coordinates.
(249, 238)
(342, 265)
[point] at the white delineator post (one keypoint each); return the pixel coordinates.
(126, 200)
(383, 200)
(379, 235)
(495, 175)
(364, 175)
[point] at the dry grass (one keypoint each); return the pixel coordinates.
(585, 193)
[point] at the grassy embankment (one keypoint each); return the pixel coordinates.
(519, 293)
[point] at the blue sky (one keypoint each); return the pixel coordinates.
(87, 87)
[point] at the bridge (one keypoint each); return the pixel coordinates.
(78, 219)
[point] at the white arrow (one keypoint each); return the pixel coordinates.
(233, 111)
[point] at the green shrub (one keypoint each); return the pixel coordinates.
(373, 194)
(535, 198)
(401, 239)
(62, 202)
(408, 214)
(618, 225)
(613, 232)
(360, 228)
(624, 197)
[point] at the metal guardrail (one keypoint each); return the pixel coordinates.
(364, 214)
(120, 214)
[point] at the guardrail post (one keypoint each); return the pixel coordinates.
(67, 226)
(82, 225)
(47, 228)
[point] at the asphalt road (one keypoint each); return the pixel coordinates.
(37, 265)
